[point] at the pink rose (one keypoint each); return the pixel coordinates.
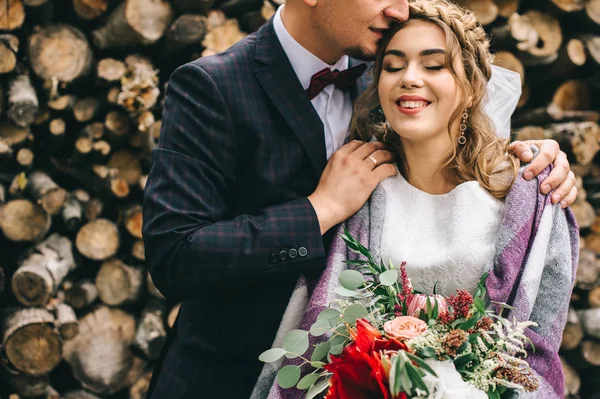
(417, 302)
(405, 327)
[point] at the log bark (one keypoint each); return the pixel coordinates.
(139, 389)
(186, 30)
(9, 46)
(572, 380)
(99, 355)
(98, 239)
(31, 343)
(81, 294)
(21, 220)
(573, 332)
(46, 192)
(193, 6)
(72, 213)
(90, 9)
(66, 321)
(588, 269)
(571, 56)
(2, 279)
(134, 22)
(590, 321)
(59, 52)
(12, 16)
(29, 386)
(580, 139)
(43, 270)
(118, 283)
(151, 334)
(173, 315)
(81, 394)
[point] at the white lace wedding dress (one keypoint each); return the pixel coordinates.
(448, 239)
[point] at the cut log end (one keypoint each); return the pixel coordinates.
(118, 283)
(98, 239)
(31, 343)
(21, 220)
(12, 15)
(59, 52)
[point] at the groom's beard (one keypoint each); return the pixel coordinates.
(361, 53)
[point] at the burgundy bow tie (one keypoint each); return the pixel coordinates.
(343, 80)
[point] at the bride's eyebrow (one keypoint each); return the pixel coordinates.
(423, 53)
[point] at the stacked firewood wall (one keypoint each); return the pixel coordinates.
(81, 91)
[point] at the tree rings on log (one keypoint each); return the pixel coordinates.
(21, 220)
(98, 239)
(31, 343)
(59, 52)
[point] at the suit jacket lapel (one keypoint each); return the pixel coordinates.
(277, 77)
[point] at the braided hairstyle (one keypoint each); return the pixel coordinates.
(483, 157)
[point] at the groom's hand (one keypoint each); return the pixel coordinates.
(348, 180)
(561, 180)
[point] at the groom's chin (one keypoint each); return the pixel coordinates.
(362, 53)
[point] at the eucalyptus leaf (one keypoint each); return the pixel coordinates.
(336, 349)
(320, 328)
(308, 380)
(416, 378)
(389, 277)
(351, 279)
(288, 376)
(296, 341)
(272, 355)
(355, 311)
(318, 388)
(321, 350)
(468, 324)
(345, 292)
(493, 394)
(331, 315)
(317, 365)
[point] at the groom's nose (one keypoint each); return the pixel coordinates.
(397, 11)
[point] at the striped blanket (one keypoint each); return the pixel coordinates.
(534, 269)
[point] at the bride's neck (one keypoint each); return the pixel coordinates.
(425, 161)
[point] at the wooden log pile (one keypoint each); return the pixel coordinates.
(81, 85)
(81, 90)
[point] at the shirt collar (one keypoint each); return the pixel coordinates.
(304, 63)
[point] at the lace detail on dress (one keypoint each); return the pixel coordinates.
(447, 239)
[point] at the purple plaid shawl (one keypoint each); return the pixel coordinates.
(534, 269)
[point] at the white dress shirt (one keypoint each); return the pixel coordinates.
(333, 105)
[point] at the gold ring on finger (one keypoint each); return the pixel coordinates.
(372, 158)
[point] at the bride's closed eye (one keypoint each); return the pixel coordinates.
(391, 69)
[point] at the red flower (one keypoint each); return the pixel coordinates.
(358, 372)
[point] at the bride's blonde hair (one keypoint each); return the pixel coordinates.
(483, 157)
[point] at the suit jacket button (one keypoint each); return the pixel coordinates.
(292, 253)
(302, 251)
(283, 255)
(274, 258)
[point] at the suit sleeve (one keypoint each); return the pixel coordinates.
(189, 241)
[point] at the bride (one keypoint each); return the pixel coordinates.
(459, 206)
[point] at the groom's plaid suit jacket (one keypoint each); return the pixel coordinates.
(227, 225)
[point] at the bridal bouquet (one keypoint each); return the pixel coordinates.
(385, 340)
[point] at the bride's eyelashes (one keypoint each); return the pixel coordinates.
(390, 69)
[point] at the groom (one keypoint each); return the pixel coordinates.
(249, 176)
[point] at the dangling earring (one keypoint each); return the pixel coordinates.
(463, 127)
